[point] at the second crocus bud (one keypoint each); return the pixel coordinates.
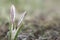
(21, 18)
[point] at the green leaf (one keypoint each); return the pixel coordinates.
(18, 30)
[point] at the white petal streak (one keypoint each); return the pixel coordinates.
(21, 18)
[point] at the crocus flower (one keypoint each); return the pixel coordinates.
(12, 13)
(15, 31)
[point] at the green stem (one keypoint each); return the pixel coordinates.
(10, 32)
(18, 30)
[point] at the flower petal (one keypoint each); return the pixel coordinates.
(12, 13)
(21, 18)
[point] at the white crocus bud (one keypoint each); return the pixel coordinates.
(21, 18)
(12, 13)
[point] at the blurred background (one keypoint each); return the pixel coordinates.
(42, 21)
